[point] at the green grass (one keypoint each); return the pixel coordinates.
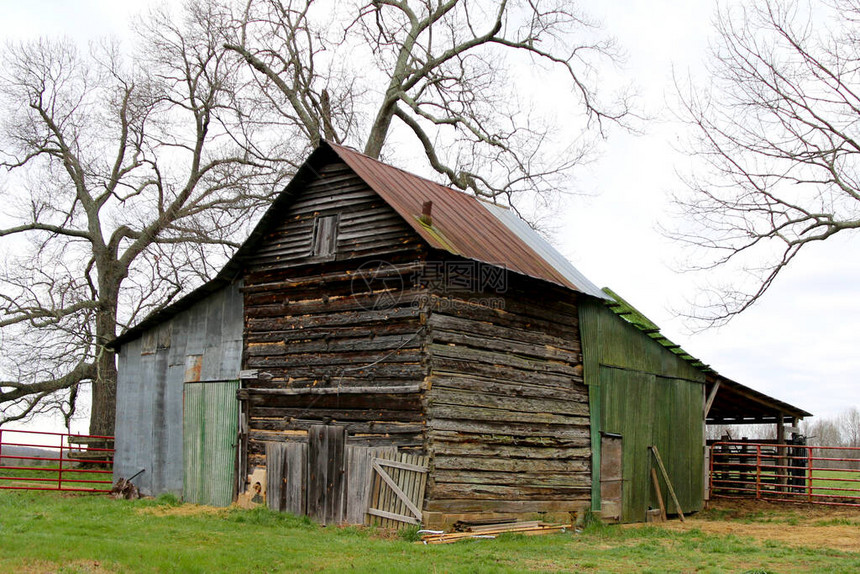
(52, 532)
(830, 478)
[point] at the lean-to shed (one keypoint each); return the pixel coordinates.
(385, 346)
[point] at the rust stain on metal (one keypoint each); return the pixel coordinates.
(468, 228)
(193, 368)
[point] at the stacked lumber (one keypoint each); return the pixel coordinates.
(532, 528)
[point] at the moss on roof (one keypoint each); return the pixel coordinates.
(629, 313)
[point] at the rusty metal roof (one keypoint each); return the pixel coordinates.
(544, 250)
(466, 226)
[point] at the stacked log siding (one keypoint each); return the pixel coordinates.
(507, 408)
(488, 384)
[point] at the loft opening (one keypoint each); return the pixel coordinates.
(325, 236)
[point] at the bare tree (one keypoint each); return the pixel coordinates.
(777, 132)
(133, 171)
(437, 70)
(124, 176)
(849, 426)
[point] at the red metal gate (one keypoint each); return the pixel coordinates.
(790, 473)
(68, 462)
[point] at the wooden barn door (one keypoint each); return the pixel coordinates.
(326, 473)
(611, 476)
(287, 477)
(210, 427)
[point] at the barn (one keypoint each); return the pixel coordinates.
(386, 348)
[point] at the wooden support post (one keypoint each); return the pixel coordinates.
(711, 396)
(668, 482)
(708, 398)
(656, 482)
(781, 460)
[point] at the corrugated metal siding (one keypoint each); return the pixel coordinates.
(132, 427)
(650, 396)
(211, 415)
(152, 370)
(645, 410)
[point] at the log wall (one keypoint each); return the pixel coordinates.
(337, 340)
(488, 384)
(507, 408)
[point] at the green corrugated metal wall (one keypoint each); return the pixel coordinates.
(645, 393)
(649, 410)
(210, 423)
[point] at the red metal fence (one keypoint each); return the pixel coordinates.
(68, 462)
(790, 473)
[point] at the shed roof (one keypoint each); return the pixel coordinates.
(461, 225)
(736, 404)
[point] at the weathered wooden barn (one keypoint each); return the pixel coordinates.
(384, 346)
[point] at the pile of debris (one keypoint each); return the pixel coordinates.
(124, 489)
(490, 529)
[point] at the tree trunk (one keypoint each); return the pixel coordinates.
(103, 414)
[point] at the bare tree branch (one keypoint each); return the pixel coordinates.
(117, 168)
(17, 389)
(776, 136)
(443, 67)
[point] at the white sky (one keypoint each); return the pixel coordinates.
(797, 344)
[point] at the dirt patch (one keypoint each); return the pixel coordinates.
(76, 567)
(764, 510)
(798, 525)
(180, 510)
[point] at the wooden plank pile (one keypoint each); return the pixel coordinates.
(467, 531)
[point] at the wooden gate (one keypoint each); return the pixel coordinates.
(398, 488)
(323, 478)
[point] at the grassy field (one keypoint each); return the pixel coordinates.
(50, 532)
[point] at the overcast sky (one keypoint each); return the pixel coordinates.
(798, 344)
